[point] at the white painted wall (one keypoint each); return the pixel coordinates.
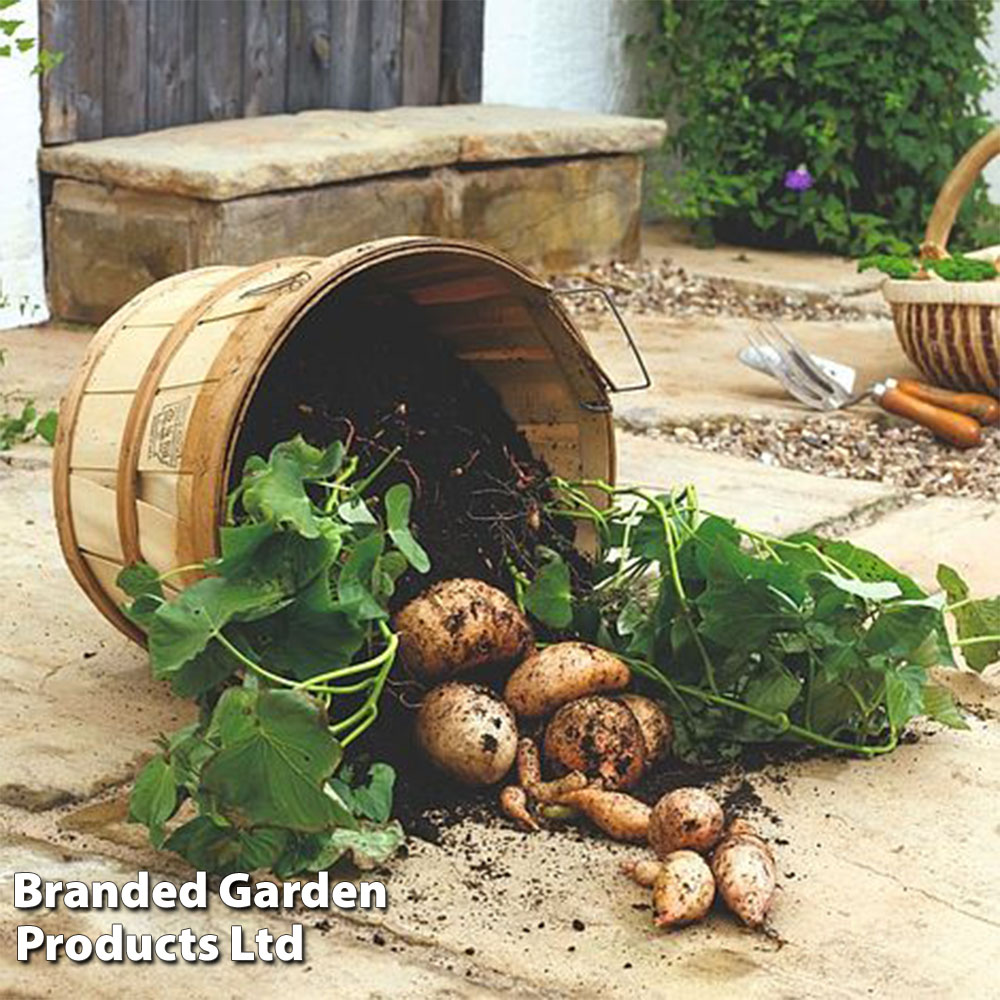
(569, 54)
(22, 273)
(992, 104)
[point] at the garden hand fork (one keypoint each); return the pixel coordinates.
(823, 385)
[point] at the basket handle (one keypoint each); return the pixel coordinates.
(954, 190)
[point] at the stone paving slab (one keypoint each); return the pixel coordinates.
(340, 961)
(801, 273)
(78, 706)
(39, 362)
(779, 501)
(883, 892)
(696, 374)
(965, 534)
(243, 156)
(887, 876)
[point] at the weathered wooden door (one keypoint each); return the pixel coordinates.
(135, 65)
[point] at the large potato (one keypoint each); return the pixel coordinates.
(655, 725)
(598, 736)
(683, 890)
(457, 625)
(468, 732)
(685, 819)
(561, 673)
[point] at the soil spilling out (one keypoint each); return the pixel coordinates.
(362, 369)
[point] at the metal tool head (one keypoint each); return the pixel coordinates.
(817, 385)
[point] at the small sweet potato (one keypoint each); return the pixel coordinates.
(654, 724)
(685, 819)
(558, 674)
(745, 873)
(514, 803)
(642, 871)
(683, 890)
(457, 625)
(618, 815)
(529, 763)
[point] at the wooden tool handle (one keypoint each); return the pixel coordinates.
(984, 408)
(955, 428)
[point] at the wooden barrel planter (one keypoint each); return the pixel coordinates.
(149, 427)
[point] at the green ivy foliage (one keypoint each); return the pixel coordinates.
(877, 99)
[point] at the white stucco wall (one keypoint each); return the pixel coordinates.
(569, 54)
(992, 104)
(22, 274)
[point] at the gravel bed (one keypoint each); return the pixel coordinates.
(649, 287)
(879, 449)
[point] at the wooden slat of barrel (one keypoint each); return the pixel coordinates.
(155, 427)
(94, 517)
(170, 491)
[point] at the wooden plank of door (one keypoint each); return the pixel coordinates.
(171, 79)
(126, 37)
(386, 50)
(57, 33)
(421, 51)
(461, 51)
(266, 53)
(309, 54)
(220, 60)
(350, 40)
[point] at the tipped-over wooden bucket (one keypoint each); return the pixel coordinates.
(149, 426)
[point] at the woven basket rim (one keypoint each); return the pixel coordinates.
(971, 293)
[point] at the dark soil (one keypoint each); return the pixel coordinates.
(363, 371)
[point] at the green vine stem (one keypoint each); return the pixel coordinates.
(975, 640)
(779, 720)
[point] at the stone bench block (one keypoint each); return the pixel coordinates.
(552, 189)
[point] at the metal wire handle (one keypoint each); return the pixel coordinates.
(291, 283)
(645, 381)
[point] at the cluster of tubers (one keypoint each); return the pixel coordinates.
(698, 854)
(597, 740)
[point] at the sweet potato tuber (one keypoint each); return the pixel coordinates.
(514, 803)
(558, 674)
(642, 871)
(685, 819)
(683, 890)
(457, 625)
(745, 873)
(618, 815)
(654, 724)
(598, 736)
(468, 732)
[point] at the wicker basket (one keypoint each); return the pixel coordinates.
(949, 329)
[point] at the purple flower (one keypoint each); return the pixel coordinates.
(798, 179)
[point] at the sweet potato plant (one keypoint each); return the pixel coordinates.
(285, 644)
(755, 639)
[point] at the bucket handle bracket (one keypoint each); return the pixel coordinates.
(644, 381)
